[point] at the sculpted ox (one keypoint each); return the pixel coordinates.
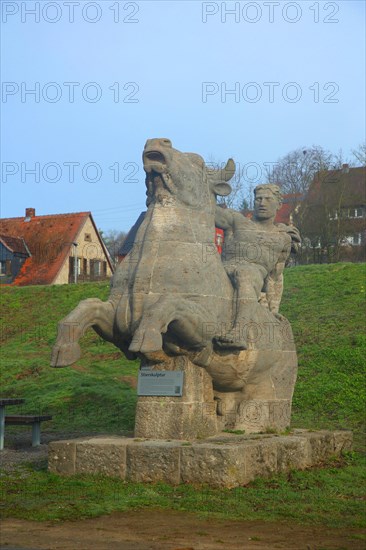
(172, 296)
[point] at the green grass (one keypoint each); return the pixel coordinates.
(325, 305)
(329, 497)
(92, 395)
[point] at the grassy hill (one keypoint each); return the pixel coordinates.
(326, 307)
(95, 394)
(325, 304)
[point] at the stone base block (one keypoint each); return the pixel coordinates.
(225, 460)
(191, 416)
(157, 418)
(252, 416)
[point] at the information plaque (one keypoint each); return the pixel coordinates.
(167, 383)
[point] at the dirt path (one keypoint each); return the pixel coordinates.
(162, 530)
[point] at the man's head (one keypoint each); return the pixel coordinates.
(267, 200)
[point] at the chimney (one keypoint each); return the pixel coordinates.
(345, 168)
(30, 212)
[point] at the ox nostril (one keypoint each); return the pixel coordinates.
(166, 142)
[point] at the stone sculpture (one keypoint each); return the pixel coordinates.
(254, 257)
(176, 304)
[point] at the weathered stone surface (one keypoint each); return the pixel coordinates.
(320, 445)
(214, 464)
(159, 419)
(254, 416)
(188, 417)
(342, 441)
(61, 457)
(260, 458)
(105, 456)
(226, 460)
(292, 454)
(323, 444)
(152, 461)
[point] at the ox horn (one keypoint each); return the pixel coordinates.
(229, 170)
(224, 174)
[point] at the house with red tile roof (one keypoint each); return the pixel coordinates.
(290, 205)
(52, 249)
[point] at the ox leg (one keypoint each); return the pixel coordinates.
(187, 320)
(89, 313)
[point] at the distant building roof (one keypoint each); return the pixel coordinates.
(131, 236)
(48, 239)
(15, 244)
(346, 184)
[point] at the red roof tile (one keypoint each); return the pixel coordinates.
(48, 239)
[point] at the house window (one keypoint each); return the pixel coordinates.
(71, 269)
(5, 267)
(98, 269)
(333, 215)
(85, 266)
(356, 212)
(95, 269)
(354, 240)
(79, 266)
(87, 237)
(357, 239)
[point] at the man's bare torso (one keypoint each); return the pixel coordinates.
(249, 242)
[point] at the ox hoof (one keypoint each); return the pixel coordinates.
(146, 341)
(65, 355)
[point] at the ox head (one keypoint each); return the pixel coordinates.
(173, 177)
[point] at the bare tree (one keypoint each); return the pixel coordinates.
(113, 239)
(360, 154)
(295, 171)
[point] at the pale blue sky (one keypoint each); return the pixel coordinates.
(168, 53)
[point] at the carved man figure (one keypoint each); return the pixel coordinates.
(255, 253)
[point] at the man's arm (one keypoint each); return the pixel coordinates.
(274, 286)
(224, 218)
(274, 281)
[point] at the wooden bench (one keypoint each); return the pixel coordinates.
(22, 419)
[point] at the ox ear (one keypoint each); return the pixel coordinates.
(221, 188)
(219, 178)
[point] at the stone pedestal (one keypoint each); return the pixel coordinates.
(225, 460)
(191, 416)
